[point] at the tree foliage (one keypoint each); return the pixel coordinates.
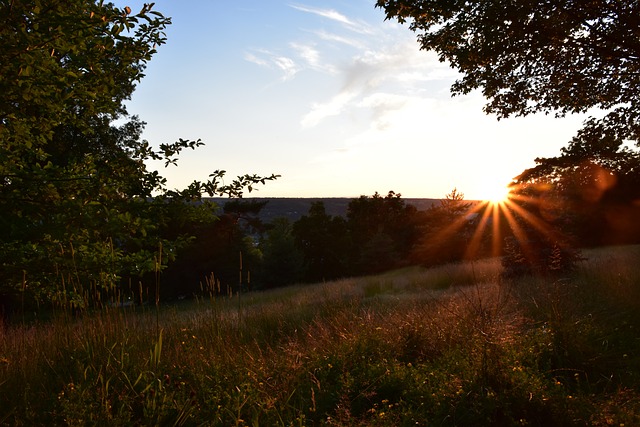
(324, 241)
(538, 56)
(445, 231)
(283, 262)
(596, 182)
(542, 242)
(382, 230)
(79, 207)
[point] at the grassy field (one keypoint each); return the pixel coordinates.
(454, 345)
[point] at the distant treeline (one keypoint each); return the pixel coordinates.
(293, 208)
(261, 243)
(266, 243)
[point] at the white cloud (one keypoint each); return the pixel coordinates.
(287, 66)
(378, 79)
(334, 15)
(331, 37)
(308, 53)
(368, 69)
(320, 111)
(325, 13)
(252, 58)
(381, 104)
(312, 57)
(270, 60)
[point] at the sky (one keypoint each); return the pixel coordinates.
(330, 96)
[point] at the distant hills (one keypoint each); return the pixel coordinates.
(294, 208)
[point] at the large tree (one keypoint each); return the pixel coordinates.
(596, 182)
(531, 56)
(78, 206)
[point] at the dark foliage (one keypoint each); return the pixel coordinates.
(325, 244)
(538, 56)
(597, 182)
(383, 231)
(542, 242)
(283, 262)
(445, 231)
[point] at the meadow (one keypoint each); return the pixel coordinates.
(452, 345)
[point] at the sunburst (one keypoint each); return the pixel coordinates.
(497, 194)
(522, 212)
(503, 212)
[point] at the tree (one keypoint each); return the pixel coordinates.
(542, 241)
(283, 262)
(445, 231)
(79, 208)
(212, 257)
(538, 56)
(597, 183)
(324, 241)
(382, 230)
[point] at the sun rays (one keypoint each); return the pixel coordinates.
(529, 225)
(508, 212)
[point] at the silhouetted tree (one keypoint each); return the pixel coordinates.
(538, 56)
(282, 262)
(597, 182)
(247, 214)
(325, 243)
(445, 231)
(542, 242)
(383, 231)
(214, 251)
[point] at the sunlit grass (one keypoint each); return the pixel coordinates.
(453, 345)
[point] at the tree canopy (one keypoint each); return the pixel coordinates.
(597, 182)
(78, 206)
(538, 56)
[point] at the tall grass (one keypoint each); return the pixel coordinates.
(454, 345)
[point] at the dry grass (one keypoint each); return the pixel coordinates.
(453, 345)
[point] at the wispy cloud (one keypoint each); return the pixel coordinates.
(264, 58)
(307, 52)
(380, 79)
(334, 15)
(320, 111)
(325, 13)
(312, 57)
(331, 37)
(287, 66)
(259, 61)
(381, 104)
(369, 62)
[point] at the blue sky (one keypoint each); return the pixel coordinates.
(328, 95)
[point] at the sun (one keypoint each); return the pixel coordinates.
(496, 193)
